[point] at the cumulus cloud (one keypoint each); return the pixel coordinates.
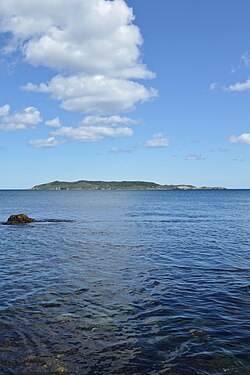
(194, 157)
(4, 110)
(111, 120)
(75, 36)
(93, 133)
(239, 86)
(94, 94)
(158, 141)
(54, 123)
(243, 138)
(28, 118)
(94, 48)
(94, 45)
(45, 143)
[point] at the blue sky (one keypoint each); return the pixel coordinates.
(150, 90)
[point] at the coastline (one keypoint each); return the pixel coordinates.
(118, 185)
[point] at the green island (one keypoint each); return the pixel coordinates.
(116, 185)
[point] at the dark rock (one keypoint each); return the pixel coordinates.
(19, 219)
(24, 219)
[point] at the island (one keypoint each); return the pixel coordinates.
(116, 185)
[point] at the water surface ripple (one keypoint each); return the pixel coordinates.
(150, 282)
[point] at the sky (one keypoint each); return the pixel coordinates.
(149, 90)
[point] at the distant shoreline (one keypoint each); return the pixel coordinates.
(117, 185)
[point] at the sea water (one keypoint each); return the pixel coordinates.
(136, 282)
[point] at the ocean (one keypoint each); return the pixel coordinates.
(136, 282)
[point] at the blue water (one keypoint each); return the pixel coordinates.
(140, 282)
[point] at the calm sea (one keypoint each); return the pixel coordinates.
(139, 282)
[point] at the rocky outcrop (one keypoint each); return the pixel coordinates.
(19, 219)
(24, 219)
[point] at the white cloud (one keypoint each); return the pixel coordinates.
(239, 86)
(45, 143)
(94, 94)
(244, 63)
(54, 123)
(243, 138)
(115, 150)
(194, 157)
(213, 86)
(111, 120)
(93, 44)
(28, 118)
(127, 150)
(4, 110)
(93, 133)
(245, 59)
(75, 36)
(158, 141)
(94, 48)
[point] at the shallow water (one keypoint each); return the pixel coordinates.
(140, 282)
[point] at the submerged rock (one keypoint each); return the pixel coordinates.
(19, 219)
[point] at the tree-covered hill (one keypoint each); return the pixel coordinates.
(115, 185)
